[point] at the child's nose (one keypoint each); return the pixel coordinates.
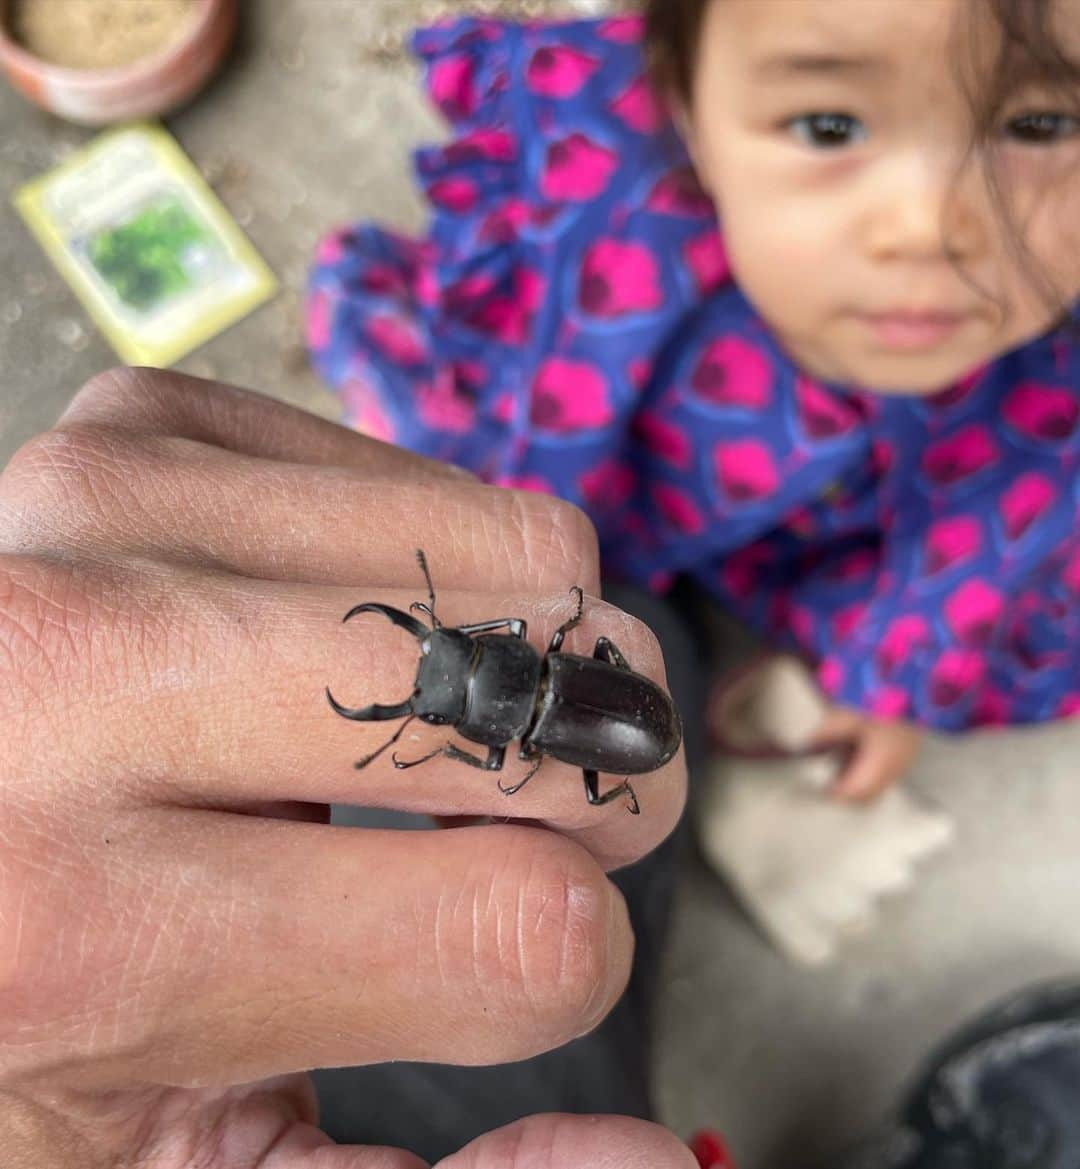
(928, 209)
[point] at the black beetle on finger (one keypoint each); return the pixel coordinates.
(495, 688)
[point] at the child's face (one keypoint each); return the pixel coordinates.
(835, 137)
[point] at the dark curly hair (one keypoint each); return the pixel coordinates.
(1029, 49)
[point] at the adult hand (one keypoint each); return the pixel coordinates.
(182, 934)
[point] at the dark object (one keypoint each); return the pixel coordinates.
(594, 713)
(1002, 1093)
(433, 1110)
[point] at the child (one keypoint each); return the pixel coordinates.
(799, 330)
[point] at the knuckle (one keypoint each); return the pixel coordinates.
(110, 395)
(54, 641)
(38, 628)
(34, 462)
(56, 454)
(73, 640)
(62, 482)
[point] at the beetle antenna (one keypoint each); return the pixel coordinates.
(429, 609)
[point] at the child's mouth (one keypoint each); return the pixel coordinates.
(913, 330)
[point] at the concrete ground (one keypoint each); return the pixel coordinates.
(310, 126)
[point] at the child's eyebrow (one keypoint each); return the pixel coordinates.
(822, 64)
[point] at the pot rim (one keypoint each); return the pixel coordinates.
(132, 74)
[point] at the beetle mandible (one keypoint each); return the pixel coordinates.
(494, 688)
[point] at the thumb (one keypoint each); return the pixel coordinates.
(575, 1142)
(305, 1147)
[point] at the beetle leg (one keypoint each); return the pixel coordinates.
(608, 651)
(515, 624)
(564, 629)
(592, 791)
(401, 765)
(512, 791)
(494, 761)
(362, 763)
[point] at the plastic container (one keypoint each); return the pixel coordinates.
(146, 88)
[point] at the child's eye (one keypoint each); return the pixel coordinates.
(827, 131)
(1041, 128)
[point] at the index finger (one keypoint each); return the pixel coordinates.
(146, 463)
(155, 402)
(211, 691)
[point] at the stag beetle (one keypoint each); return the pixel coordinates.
(594, 713)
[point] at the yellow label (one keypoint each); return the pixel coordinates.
(145, 244)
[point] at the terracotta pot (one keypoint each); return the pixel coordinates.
(146, 88)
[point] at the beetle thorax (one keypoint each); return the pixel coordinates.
(442, 678)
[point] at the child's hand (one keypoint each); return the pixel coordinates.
(882, 753)
(181, 934)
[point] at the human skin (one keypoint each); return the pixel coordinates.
(835, 138)
(182, 933)
(882, 752)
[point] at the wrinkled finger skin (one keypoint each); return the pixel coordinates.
(574, 1142)
(272, 1127)
(182, 934)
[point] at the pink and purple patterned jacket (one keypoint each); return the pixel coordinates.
(568, 324)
